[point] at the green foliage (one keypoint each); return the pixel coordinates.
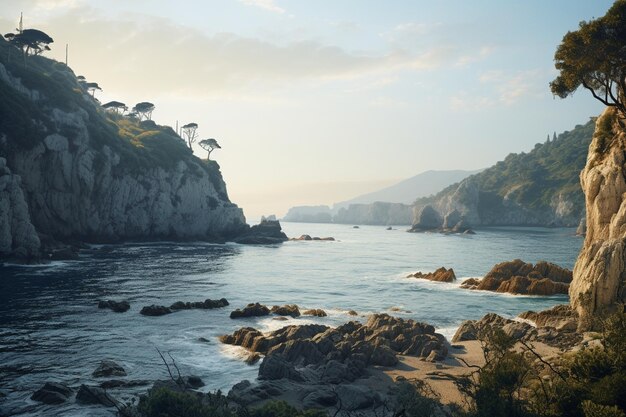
(533, 179)
(593, 56)
(415, 398)
(163, 402)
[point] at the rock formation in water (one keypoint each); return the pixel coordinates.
(439, 275)
(538, 188)
(599, 284)
(71, 171)
(518, 277)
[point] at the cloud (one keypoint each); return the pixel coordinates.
(269, 5)
(149, 54)
(481, 54)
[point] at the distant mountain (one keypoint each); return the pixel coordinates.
(389, 206)
(537, 188)
(407, 191)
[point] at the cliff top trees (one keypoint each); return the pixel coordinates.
(209, 145)
(189, 132)
(116, 106)
(30, 41)
(144, 110)
(594, 56)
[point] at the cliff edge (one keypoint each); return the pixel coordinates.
(70, 170)
(599, 283)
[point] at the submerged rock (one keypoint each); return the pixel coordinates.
(440, 275)
(108, 368)
(116, 306)
(94, 395)
(155, 310)
(52, 393)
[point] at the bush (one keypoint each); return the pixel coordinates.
(163, 402)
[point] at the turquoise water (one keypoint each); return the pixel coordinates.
(51, 328)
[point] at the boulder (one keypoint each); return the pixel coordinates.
(319, 398)
(440, 275)
(561, 317)
(94, 395)
(277, 367)
(108, 368)
(251, 310)
(317, 312)
(286, 310)
(518, 277)
(116, 306)
(267, 232)
(155, 310)
(357, 397)
(466, 331)
(52, 393)
(193, 381)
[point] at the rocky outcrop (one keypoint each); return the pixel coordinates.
(427, 219)
(316, 312)
(440, 275)
(561, 317)
(518, 277)
(321, 365)
(309, 238)
(564, 337)
(108, 368)
(251, 310)
(599, 284)
(18, 236)
(75, 175)
(286, 310)
(267, 232)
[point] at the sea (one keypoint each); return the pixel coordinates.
(52, 330)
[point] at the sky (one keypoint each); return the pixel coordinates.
(318, 101)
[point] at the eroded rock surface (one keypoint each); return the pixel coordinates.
(599, 284)
(440, 275)
(518, 277)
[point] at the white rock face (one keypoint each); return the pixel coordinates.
(17, 234)
(599, 283)
(72, 186)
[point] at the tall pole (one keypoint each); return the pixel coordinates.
(21, 26)
(66, 46)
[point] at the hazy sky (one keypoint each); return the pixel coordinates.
(316, 101)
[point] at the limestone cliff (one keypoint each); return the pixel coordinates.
(72, 171)
(599, 283)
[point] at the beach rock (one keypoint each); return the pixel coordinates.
(52, 393)
(561, 317)
(116, 306)
(108, 368)
(440, 275)
(277, 367)
(316, 312)
(357, 397)
(467, 331)
(320, 398)
(286, 310)
(251, 310)
(204, 305)
(518, 277)
(94, 395)
(155, 310)
(472, 329)
(352, 313)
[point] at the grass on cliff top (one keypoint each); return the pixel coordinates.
(25, 122)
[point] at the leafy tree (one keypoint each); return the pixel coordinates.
(92, 87)
(209, 145)
(116, 106)
(144, 110)
(593, 56)
(189, 132)
(30, 41)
